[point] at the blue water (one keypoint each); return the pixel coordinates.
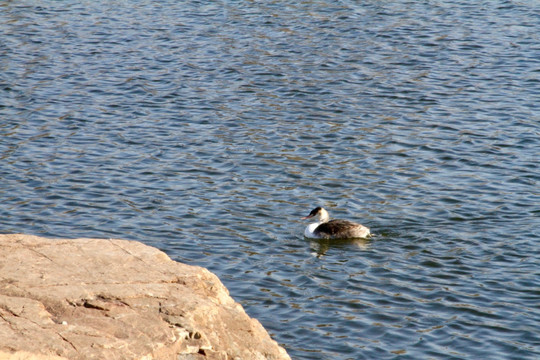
(208, 129)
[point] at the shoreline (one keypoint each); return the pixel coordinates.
(96, 298)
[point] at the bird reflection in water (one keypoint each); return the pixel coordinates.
(321, 246)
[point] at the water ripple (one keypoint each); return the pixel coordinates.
(208, 130)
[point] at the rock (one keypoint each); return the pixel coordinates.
(117, 299)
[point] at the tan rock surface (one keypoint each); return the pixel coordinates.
(117, 299)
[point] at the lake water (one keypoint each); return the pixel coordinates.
(208, 129)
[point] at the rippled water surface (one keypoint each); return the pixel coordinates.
(208, 129)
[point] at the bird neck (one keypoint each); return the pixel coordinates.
(323, 216)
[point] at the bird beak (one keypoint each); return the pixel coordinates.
(307, 217)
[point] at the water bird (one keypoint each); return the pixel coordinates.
(333, 229)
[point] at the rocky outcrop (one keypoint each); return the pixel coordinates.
(117, 299)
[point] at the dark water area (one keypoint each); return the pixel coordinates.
(208, 129)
